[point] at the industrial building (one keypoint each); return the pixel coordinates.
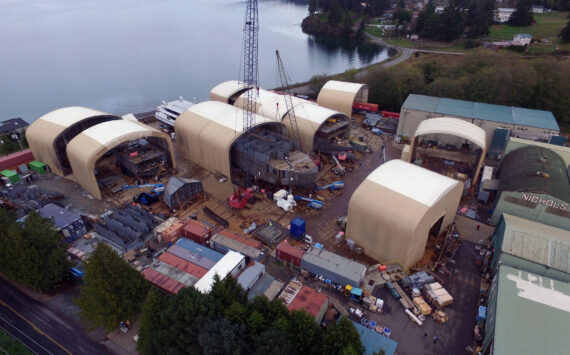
(180, 190)
(533, 184)
(437, 128)
(493, 119)
(301, 297)
(211, 134)
(395, 209)
(320, 128)
(223, 244)
(13, 125)
(69, 223)
(252, 273)
(231, 264)
(531, 246)
(341, 95)
(333, 267)
(289, 254)
(527, 314)
(71, 140)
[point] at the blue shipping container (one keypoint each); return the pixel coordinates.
(199, 249)
(297, 228)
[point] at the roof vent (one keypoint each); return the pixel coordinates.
(543, 175)
(544, 159)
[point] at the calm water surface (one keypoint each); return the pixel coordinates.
(124, 56)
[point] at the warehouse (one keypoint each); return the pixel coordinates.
(533, 184)
(531, 246)
(341, 95)
(319, 127)
(395, 209)
(224, 244)
(519, 122)
(180, 191)
(333, 267)
(435, 128)
(207, 131)
(301, 297)
(527, 314)
(231, 264)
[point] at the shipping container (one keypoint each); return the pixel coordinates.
(224, 244)
(289, 253)
(184, 265)
(172, 233)
(252, 273)
(197, 231)
(241, 238)
(199, 249)
(161, 281)
(191, 257)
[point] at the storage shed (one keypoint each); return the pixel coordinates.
(397, 206)
(178, 191)
(199, 249)
(527, 314)
(162, 281)
(223, 244)
(333, 267)
(252, 273)
(531, 246)
(182, 264)
(197, 231)
(69, 223)
(289, 254)
(521, 122)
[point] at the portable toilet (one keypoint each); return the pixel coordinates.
(297, 228)
(347, 290)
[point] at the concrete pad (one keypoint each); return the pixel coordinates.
(467, 229)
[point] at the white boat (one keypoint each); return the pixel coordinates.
(168, 112)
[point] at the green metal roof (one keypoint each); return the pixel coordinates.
(488, 112)
(8, 173)
(519, 169)
(536, 242)
(532, 314)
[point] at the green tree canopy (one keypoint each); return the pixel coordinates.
(113, 290)
(523, 14)
(565, 34)
(33, 254)
(342, 338)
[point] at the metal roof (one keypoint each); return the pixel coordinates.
(488, 112)
(12, 125)
(235, 245)
(453, 126)
(339, 265)
(518, 172)
(310, 300)
(250, 274)
(412, 181)
(62, 217)
(373, 341)
(532, 314)
(222, 268)
(175, 183)
(515, 143)
(536, 242)
(199, 249)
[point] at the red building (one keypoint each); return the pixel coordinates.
(197, 231)
(162, 281)
(290, 254)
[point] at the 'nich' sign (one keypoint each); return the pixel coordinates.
(543, 201)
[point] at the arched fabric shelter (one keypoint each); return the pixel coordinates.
(206, 131)
(310, 117)
(228, 91)
(455, 127)
(49, 135)
(341, 95)
(90, 145)
(391, 213)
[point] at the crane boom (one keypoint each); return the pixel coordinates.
(284, 84)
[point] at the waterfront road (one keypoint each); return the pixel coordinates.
(39, 329)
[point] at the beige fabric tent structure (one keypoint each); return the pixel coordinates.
(90, 145)
(206, 131)
(391, 213)
(49, 134)
(227, 91)
(340, 95)
(310, 116)
(455, 127)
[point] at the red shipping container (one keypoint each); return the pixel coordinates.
(365, 106)
(183, 265)
(197, 231)
(289, 253)
(172, 233)
(241, 238)
(389, 114)
(162, 281)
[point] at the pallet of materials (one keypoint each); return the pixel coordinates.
(424, 308)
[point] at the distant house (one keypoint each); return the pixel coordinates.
(439, 9)
(13, 125)
(503, 14)
(522, 39)
(538, 9)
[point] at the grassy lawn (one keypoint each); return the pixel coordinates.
(455, 46)
(9, 345)
(547, 26)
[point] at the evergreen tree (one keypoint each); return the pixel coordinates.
(523, 14)
(451, 23)
(342, 338)
(154, 304)
(335, 12)
(33, 254)
(313, 7)
(565, 34)
(113, 290)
